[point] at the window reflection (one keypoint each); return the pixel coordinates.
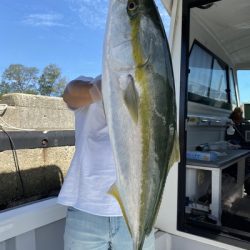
(207, 82)
(200, 71)
(218, 87)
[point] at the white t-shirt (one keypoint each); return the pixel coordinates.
(92, 170)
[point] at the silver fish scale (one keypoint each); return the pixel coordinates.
(140, 186)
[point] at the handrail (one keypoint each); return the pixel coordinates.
(37, 139)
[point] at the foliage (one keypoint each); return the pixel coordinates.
(18, 78)
(51, 82)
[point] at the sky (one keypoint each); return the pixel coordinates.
(244, 83)
(68, 33)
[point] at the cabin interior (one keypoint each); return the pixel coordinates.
(218, 156)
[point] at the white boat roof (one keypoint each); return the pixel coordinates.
(228, 22)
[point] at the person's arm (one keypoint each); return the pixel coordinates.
(77, 94)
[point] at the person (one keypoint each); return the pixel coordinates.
(237, 116)
(94, 219)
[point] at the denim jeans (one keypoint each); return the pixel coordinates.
(85, 231)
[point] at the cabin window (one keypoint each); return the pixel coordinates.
(217, 90)
(200, 71)
(207, 81)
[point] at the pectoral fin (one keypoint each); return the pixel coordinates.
(131, 98)
(114, 192)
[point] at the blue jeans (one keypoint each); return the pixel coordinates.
(85, 231)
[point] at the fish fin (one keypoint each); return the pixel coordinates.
(131, 98)
(115, 193)
(175, 156)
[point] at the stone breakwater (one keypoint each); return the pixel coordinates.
(42, 169)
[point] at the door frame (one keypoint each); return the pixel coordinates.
(222, 234)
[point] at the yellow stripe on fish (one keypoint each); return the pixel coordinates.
(141, 79)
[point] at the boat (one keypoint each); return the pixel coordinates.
(206, 202)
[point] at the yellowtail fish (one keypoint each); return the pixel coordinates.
(139, 101)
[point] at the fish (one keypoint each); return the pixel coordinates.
(140, 106)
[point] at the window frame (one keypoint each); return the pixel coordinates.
(207, 100)
(236, 87)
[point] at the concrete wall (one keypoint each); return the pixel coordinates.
(36, 112)
(42, 170)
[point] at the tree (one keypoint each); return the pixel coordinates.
(4, 88)
(19, 78)
(50, 82)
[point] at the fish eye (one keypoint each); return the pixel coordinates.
(132, 6)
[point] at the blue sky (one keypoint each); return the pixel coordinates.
(244, 84)
(68, 33)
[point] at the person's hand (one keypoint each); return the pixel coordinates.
(96, 90)
(77, 94)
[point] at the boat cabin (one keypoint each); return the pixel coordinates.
(210, 46)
